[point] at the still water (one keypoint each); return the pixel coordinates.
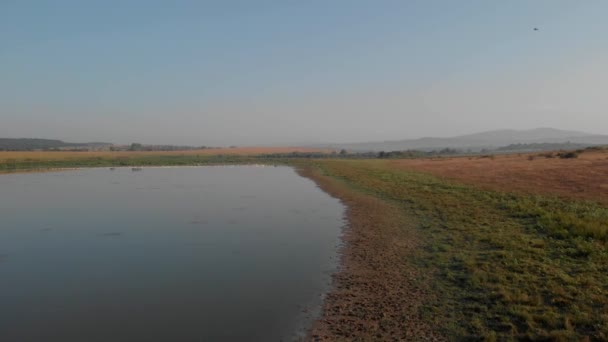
(164, 254)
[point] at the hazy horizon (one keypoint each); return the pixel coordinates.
(270, 73)
(306, 143)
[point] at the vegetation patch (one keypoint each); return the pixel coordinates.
(87, 160)
(568, 155)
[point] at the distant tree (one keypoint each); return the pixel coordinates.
(136, 147)
(343, 152)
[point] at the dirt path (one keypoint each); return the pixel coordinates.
(377, 293)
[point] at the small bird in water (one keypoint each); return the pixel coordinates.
(536, 29)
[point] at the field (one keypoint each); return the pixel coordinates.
(14, 161)
(503, 265)
(585, 177)
(72, 155)
(469, 248)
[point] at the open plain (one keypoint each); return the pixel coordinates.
(473, 248)
(585, 177)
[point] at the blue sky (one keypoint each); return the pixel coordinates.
(289, 72)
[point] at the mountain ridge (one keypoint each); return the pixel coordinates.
(479, 141)
(21, 144)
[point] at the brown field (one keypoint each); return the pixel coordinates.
(67, 155)
(585, 177)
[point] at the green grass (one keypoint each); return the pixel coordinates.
(507, 267)
(133, 160)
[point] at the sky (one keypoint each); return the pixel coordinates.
(299, 72)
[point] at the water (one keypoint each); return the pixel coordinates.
(164, 254)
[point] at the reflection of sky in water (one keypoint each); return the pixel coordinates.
(163, 254)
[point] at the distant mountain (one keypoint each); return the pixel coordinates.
(25, 144)
(485, 140)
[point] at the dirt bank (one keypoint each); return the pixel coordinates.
(378, 292)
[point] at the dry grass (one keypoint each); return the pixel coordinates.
(585, 177)
(69, 155)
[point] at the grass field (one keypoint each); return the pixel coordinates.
(15, 161)
(585, 177)
(469, 248)
(72, 155)
(506, 265)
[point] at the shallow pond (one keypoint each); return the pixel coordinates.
(164, 254)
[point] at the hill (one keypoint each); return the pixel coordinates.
(27, 144)
(484, 140)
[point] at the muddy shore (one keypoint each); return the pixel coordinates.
(377, 293)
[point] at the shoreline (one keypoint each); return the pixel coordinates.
(19, 171)
(59, 169)
(376, 293)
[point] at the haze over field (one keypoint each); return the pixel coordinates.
(327, 170)
(549, 137)
(290, 72)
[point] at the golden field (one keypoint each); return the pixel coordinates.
(72, 155)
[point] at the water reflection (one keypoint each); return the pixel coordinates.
(165, 254)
